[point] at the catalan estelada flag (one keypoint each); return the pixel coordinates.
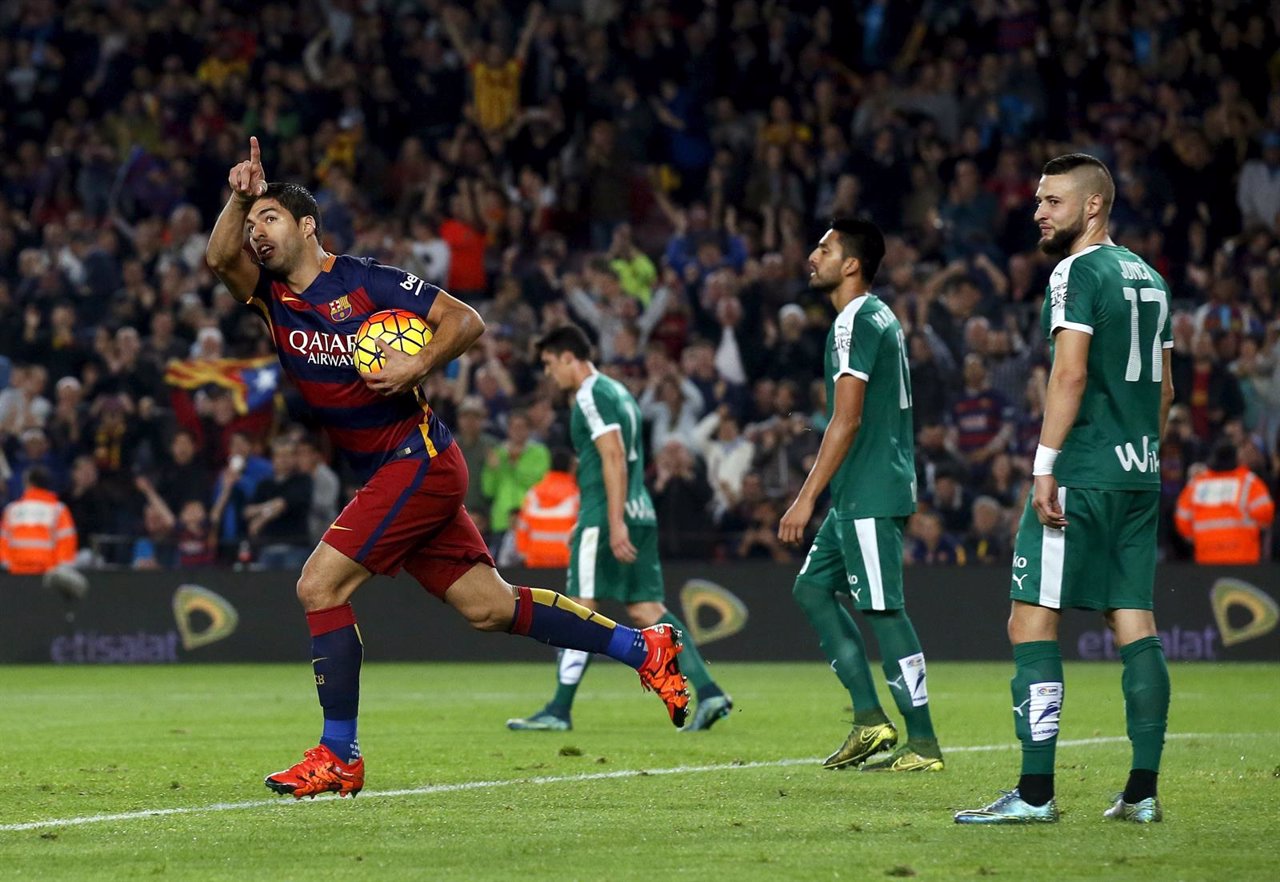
(253, 382)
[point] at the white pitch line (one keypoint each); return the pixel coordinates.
(542, 779)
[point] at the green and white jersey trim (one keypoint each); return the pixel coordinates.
(586, 401)
(844, 339)
(1058, 294)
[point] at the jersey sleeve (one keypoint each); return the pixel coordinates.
(844, 361)
(1073, 295)
(861, 357)
(601, 411)
(390, 287)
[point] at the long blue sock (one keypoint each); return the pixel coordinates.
(336, 654)
(555, 619)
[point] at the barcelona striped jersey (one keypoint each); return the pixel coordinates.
(314, 334)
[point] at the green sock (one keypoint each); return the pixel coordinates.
(1037, 703)
(1146, 700)
(843, 646)
(570, 666)
(692, 664)
(904, 669)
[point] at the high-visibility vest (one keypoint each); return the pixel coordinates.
(1223, 513)
(546, 521)
(36, 533)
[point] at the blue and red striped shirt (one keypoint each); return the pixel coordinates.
(314, 334)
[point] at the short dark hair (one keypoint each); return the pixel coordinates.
(40, 478)
(561, 459)
(1223, 457)
(295, 199)
(1102, 180)
(566, 338)
(861, 239)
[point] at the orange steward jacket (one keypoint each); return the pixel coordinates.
(1223, 515)
(546, 520)
(36, 533)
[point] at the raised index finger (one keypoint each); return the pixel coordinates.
(255, 155)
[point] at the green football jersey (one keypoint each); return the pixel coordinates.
(878, 476)
(1123, 304)
(603, 405)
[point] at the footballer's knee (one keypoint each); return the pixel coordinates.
(810, 596)
(314, 593)
(328, 579)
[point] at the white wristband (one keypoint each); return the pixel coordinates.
(1045, 458)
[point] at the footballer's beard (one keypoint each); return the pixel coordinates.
(1059, 243)
(821, 285)
(280, 261)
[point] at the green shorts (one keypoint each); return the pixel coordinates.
(595, 574)
(1105, 558)
(861, 558)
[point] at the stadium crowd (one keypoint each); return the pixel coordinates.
(656, 172)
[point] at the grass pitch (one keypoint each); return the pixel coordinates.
(155, 773)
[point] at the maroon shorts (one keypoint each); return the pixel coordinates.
(410, 515)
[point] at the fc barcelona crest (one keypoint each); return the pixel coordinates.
(340, 309)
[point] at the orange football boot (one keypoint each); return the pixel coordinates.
(660, 672)
(319, 772)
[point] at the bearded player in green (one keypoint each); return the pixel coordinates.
(613, 552)
(867, 457)
(1088, 536)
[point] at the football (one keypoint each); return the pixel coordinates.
(398, 328)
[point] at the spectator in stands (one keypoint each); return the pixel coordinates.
(1206, 386)
(194, 542)
(245, 468)
(278, 513)
(184, 475)
(671, 405)
(987, 541)
(155, 548)
(929, 386)
(511, 470)
(681, 495)
(22, 404)
(927, 543)
(760, 538)
(1258, 192)
(1224, 510)
(547, 515)
(94, 510)
(951, 500)
(728, 457)
(36, 530)
(326, 489)
(32, 450)
(476, 445)
(982, 419)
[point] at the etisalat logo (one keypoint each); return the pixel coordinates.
(730, 612)
(192, 601)
(1263, 612)
(202, 617)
